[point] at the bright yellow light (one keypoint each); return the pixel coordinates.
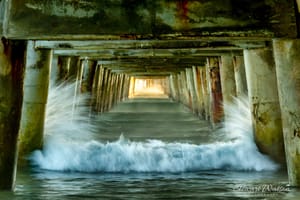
(147, 88)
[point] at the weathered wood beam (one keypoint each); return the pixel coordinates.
(149, 73)
(128, 53)
(150, 76)
(149, 44)
(155, 62)
(129, 70)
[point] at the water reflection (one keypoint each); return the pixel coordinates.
(40, 184)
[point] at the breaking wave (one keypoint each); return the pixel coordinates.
(69, 144)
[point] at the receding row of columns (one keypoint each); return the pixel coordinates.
(273, 86)
(24, 81)
(271, 80)
(108, 88)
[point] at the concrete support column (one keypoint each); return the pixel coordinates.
(240, 76)
(199, 92)
(126, 87)
(36, 83)
(73, 68)
(89, 68)
(12, 65)
(111, 90)
(63, 64)
(165, 83)
(215, 90)
(78, 79)
(103, 90)
(82, 76)
(287, 58)
(191, 89)
(227, 82)
(121, 87)
(205, 92)
(95, 87)
(102, 74)
(107, 90)
(174, 86)
(176, 89)
(54, 70)
(116, 89)
(186, 100)
(196, 90)
(180, 88)
(227, 76)
(131, 87)
(264, 102)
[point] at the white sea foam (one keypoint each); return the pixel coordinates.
(69, 147)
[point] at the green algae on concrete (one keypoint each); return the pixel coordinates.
(12, 54)
(264, 102)
(287, 59)
(36, 84)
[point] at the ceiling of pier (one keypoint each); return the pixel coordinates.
(148, 19)
(147, 36)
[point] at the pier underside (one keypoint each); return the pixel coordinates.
(200, 55)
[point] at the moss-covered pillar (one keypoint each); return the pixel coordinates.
(12, 65)
(37, 74)
(264, 102)
(287, 59)
(215, 90)
(240, 76)
(227, 81)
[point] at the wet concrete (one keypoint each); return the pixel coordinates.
(140, 119)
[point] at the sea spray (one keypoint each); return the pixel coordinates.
(73, 149)
(67, 116)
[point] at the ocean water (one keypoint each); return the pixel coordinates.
(154, 162)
